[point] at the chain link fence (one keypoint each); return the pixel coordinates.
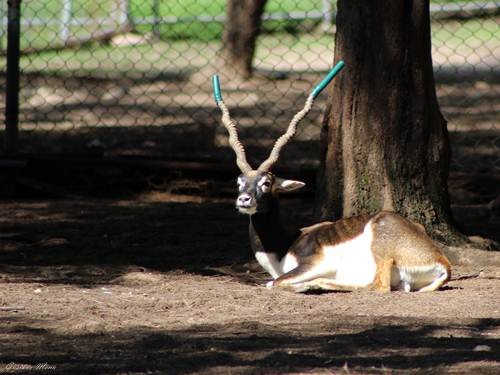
(131, 78)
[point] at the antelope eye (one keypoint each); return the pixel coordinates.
(265, 186)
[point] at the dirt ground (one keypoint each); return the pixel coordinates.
(165, 284)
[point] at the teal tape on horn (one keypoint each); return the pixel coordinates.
(216, 87)
(321, 86)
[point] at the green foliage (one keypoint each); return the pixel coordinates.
(190, 28)
(47, 13)
(185, 11)
(50, 10)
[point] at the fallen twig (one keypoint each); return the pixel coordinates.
(474, 275)
(12, 308)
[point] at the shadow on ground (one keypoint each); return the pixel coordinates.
(70, 237)
(375, 344)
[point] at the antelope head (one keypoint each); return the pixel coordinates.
(257, 188)
(256, 191)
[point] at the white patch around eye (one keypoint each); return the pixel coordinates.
(241, 183)
(264, 184)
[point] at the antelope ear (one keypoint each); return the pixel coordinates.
(284, 186)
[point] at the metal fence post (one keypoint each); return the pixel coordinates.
(2, 23)
(122, 12)
(327, 14)
(66, 16)
(156, 18)
(12, 81)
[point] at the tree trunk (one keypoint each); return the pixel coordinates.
(384, 140)
(242, 27)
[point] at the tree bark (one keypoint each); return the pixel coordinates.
(384, 140)
(242, 27)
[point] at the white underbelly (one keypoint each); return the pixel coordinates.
(352, 262)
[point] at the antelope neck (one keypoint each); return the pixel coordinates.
(274, 238)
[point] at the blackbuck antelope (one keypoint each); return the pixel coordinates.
(381, 252)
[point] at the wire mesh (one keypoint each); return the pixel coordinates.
(132, 78)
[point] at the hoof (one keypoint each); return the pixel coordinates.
(270, 284)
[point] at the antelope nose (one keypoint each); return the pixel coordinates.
(244, 200)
